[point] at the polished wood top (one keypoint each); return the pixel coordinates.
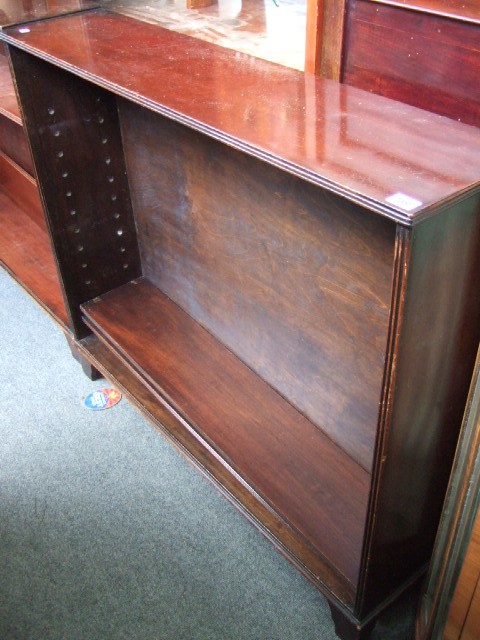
(14, 12)
(360, 145)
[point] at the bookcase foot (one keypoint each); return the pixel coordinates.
(88, 368)
(347, 629)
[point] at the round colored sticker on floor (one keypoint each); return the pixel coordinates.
(102, 399)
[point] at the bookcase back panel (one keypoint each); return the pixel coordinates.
(295, 281)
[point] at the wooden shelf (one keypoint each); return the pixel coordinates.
(240, 416)
(8, 100)
(13, 142)
(26, 253)
(25, 249)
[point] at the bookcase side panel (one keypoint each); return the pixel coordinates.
(433, 363)
(76, 145)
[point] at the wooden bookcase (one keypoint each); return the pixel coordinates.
(282, 272)
(25, 249)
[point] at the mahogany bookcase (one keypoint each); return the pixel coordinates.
(280, 271)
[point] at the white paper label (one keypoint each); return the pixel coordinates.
(407, 203)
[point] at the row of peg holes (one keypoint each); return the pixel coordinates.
(68, 193)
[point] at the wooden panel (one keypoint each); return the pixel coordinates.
(224, 98)
(20, 187)
(25, 252)
(87, 203)
(294, 281)
(260, 435)
(433, 361)
(429, 61)
(464, 594)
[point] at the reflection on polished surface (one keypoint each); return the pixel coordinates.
(269, 29)
(360, 145)
(18, 11)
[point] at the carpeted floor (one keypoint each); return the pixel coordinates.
(107, 533)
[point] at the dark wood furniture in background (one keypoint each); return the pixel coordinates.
(424, 53)
(281, 272)
(450, 605)
(25, 250)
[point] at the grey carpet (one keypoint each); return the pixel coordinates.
(106, 532)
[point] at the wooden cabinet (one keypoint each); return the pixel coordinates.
(422, 52)
(281, 272)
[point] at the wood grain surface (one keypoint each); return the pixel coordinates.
(292, 279)
(265, 440)
(426, 60)
(247, 102)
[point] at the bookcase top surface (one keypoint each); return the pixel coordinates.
(397, 160)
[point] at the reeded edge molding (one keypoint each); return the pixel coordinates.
(403, 243)
(460, 509)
